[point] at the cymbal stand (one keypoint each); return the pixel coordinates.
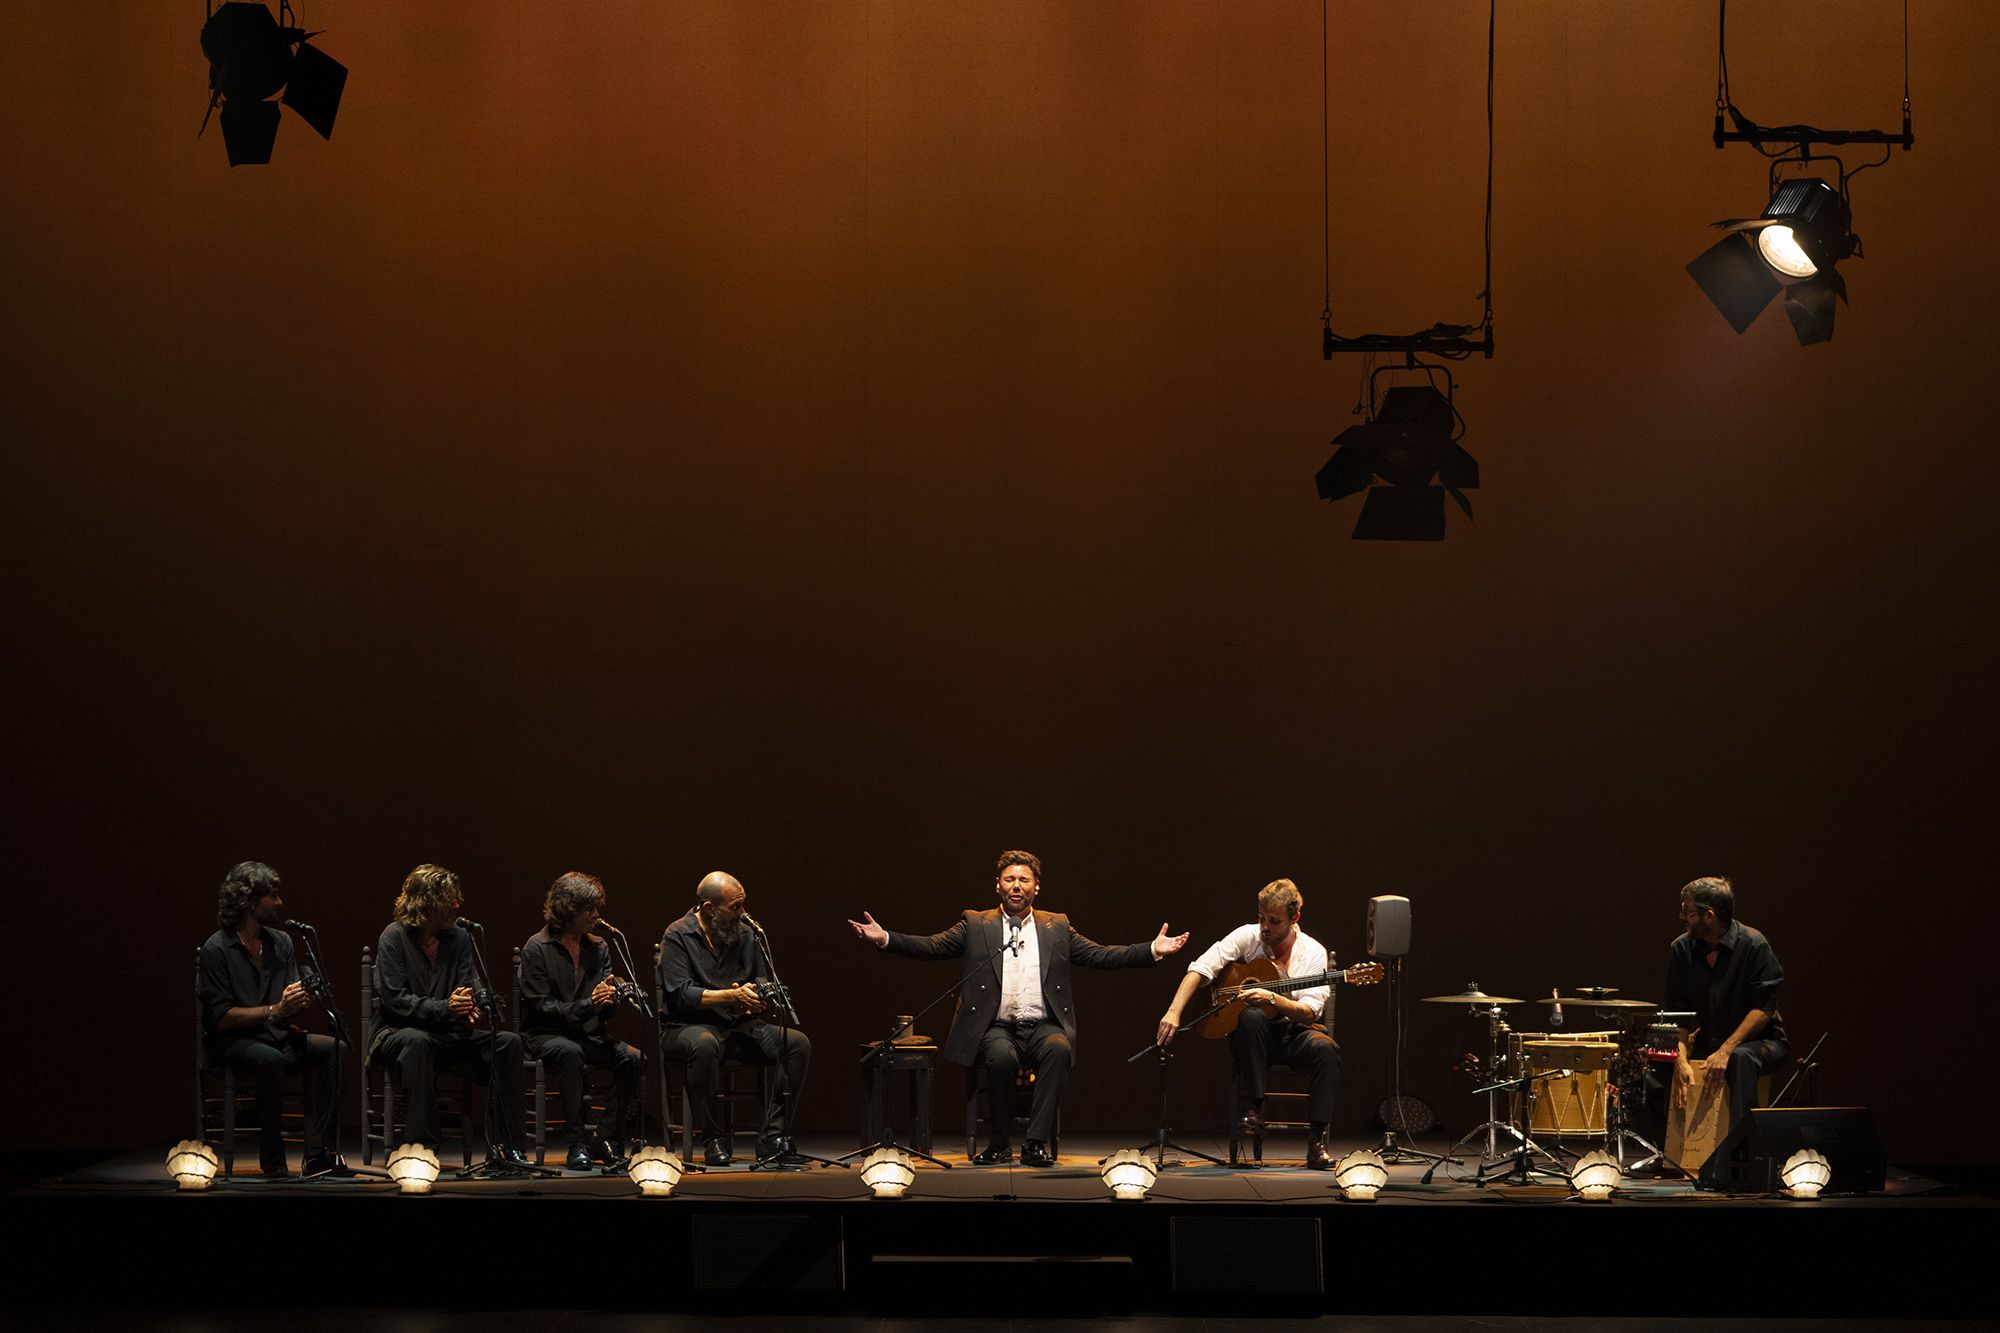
(1496, 1031)
(1523, 1168)
(1628, 1080)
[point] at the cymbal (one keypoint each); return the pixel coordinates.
(1472, 996)
(1590, 1002)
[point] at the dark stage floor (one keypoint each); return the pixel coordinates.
(1206, 1241)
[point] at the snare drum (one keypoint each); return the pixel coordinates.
(1574, 1105)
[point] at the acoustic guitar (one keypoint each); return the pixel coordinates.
(1262, 974)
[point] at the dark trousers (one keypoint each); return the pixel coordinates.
(1259, 1042)
(265, 1065)
(698, 1050)
(414, 1057)
(1004, 1051)
(564, 1058)
(1748, 1063)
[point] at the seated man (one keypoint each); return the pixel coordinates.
(1273, 1028)
(709, 969)
(249, 986)
(1726, 974)
(567, 992)
(425, 980)
(1014, 1006)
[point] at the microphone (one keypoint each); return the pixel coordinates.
(602, 924)
(751, 922)
(467, 923)
(298, 925)
(1556, 1013)
(1014, 938)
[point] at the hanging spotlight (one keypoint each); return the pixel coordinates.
(250, 57)
(1803, 233)
(1805, 1173)
(192, 1164)
(888, 1172)
(414, 1168)
(1595, 1176)
(655, 1170)
(1128, 1174)
(1407, 447)
(1360, 1175)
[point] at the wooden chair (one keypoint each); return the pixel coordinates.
(215, 1108)
(378, 1086)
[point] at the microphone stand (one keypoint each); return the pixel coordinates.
(788, 1018)
(1807, 1067)
(1162, 1140)
(487, 1002)
(1522, 1167)
(630, 993)
(317, 986)
(880, 1053)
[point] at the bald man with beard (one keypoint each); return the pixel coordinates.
(708, 962)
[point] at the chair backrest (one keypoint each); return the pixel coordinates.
(368, 1001)
(200, 1023)
(515, 999)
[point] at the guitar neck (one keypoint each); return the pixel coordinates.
(1286, 985)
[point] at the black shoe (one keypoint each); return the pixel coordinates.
(578, 1158)
(715, 1151)
(1317, 1157)
(509, 1157)
(993, 1154)
(1036, 1153)
(326, 1164)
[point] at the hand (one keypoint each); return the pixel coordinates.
(1165, 944)
(747, 996)
(1683, 1081)
(1716, 1067)
(1169, 1021)
(1259, 998)
(294, 999)
(868, 930)
(461, 1002)
(604, 993)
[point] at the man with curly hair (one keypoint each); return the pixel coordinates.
(567, 993)
(250, 989)
(425, 982)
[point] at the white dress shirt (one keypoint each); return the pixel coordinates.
(1021, 973)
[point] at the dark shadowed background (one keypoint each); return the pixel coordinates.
(833, 442)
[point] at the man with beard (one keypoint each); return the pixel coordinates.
(567, 993)
(425, 981)
(1274, 1028)
(1727, 976)
(709, 966)
(249, 989)
(1014, 1006)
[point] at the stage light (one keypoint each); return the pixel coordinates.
(655, 1170)
(250, 57)
(1128, 1173)
(414, 1168)
(1595, 1176)
(1406, 447)
(1360, 1175)
(1803, 233)
(192, 1164)
(1805, 1173)
(888, 1172)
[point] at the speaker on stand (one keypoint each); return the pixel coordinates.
(1389, 940)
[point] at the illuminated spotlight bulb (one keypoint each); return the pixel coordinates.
(1361, 1175)
(1782, 251)
(1805, 1173)
(655, 1170)
(888, 1172)
(414, 1168)
(1595, 1176)
(192, 1164)
(1128, 1173)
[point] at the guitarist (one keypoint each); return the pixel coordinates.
(709, 965)
(1274, 1029)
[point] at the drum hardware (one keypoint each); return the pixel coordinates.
(1497, 1066)
(1521, 1166)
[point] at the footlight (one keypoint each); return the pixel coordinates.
(192, 1164)
(888, 1172)
(1805, 1173)
(414, 1168)
(655, 1170)
(1595, 1176)
(1360, 1175)
(1128, 1174)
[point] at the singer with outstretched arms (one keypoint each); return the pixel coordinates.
(722, 1003)
(250, 989)
(1015, 1006)
(567, 993)
(431, 1018)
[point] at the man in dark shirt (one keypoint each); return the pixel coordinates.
(425, 982)
(249, 986)
(1728, 976)
(1014, 1007)
(709, 964)
(567, 992)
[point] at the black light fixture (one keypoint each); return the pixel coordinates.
(1804, 232)
(1407, 458)
(251, 56)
